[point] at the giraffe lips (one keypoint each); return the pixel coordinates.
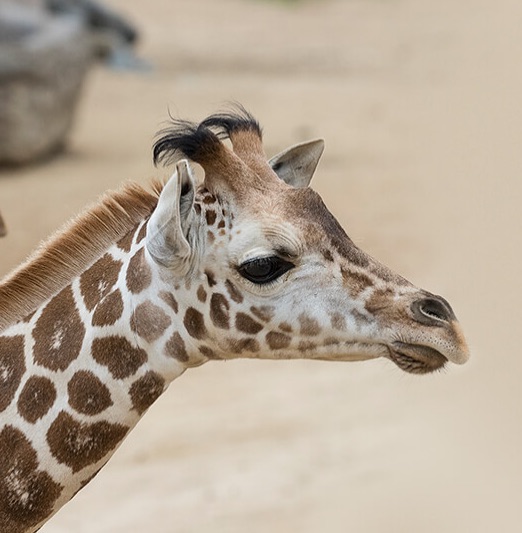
(415, 358)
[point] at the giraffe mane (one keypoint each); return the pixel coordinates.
(74, 247)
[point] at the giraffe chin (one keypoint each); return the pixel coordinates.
(415, 358)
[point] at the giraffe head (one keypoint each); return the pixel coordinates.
(275, 274)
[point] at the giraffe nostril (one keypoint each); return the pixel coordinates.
(432, 311)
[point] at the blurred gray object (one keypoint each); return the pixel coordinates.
(46, 49)
(3, 231)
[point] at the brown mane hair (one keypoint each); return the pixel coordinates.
(73, 248)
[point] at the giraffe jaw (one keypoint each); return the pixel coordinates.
(412, 358)
(416, 358)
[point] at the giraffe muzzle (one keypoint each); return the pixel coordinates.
(433, 338)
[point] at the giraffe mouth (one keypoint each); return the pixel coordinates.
(415, 358)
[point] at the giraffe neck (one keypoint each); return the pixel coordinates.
(77, 375)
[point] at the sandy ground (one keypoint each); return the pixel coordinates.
(419, 103)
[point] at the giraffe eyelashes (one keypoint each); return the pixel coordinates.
(263, 270)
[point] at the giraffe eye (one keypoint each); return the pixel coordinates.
(264, 269)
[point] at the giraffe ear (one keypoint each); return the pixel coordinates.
(296, 165)
(168, 226)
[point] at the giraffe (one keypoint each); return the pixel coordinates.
(150, 282)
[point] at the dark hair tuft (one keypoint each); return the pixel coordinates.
(199, 142)
(184, 138)
(237, 118)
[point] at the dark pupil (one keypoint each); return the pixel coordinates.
(260, 267)
(264, 269)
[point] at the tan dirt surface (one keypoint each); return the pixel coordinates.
(419, 103)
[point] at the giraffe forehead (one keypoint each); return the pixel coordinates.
(264, 235)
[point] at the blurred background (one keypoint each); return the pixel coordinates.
(419, 104)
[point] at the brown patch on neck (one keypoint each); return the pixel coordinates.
(109, 310)
(27, 495)
(139, 274)
(98, 281)
(146, 390)
(149, 321)
(12, 368)
(87, 394)
(59, 332)
(118, 355)
(36, 398)
(78, 444)
(73, 249)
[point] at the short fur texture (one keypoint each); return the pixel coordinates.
(72, 249)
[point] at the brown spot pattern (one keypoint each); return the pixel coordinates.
(234, 292)
(98, 281)
(211, 278)
(58, 333)
(139, 275)
(360, 317)
(28, 318)
(36, 398)
(202, 294)
(328, 255)
(87, 394)
(27, 495)
(338, 321)
(221, 224)
(79, 444)
(176, 349)
(141, 234)
(380, 300)
(247, 324)
(109, 310)
(210, 215)
(219, 311)
(169, 299)
(210, 237)
(146, 390)
(355, 281)
(149, 321)
(195, 324)
(208, 352)
(125, 244)
(239, 346)
(118, 355)
(306, 346)
(286, 327)
(12, 368)
(263, 312)
(309, 326)
(278, 341)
